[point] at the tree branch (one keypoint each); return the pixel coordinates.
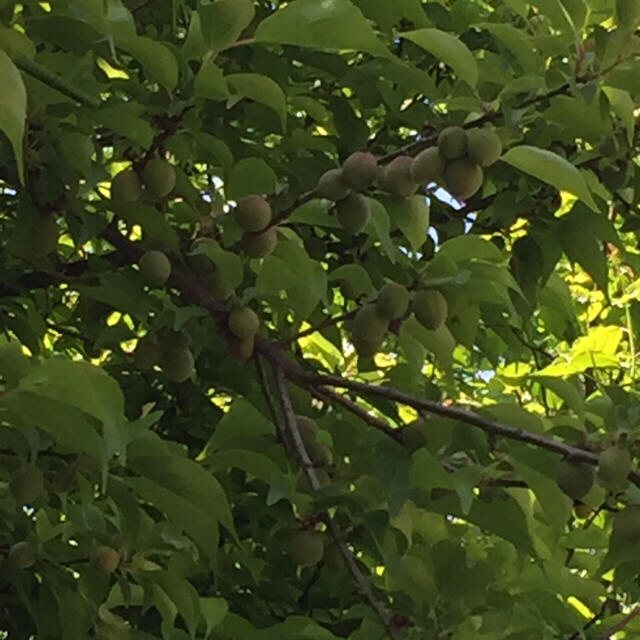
(634, 613)
(327, 322)
(331, 396)
(362, 584)
(264, 383)
(456, 413)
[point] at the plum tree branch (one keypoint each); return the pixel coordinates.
(634, 613)
(361, 582)
(189, 286)
(268, 394)
(327, 322)
(328, 395)
(457, 413)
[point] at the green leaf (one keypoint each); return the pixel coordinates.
(356, 276)
(158, 61)
(78, 384)
(274, 276)
(381, 226)
(210, 83)
(623, 106)
(149, 218)
(315, 212)
(329, 24)
(68, 425)
(85, 387)
(242, 421)
(251, 176)
(448, 48)
(412, 217)
(518, 42)
(440, 342)
(555, 504)
(181, 593)
(189, 480)
(252, 462)
(13, 108)
(471, 247)
(197, 522)
(223, 22)
(229, 263)
(628, 14)
(565, 390)
(550, 168)
(261, 89)
(213, 611)
(558, 15)
(14, 364)
(584, 247)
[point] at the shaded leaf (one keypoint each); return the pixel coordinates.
(550, 168)
(448, 48)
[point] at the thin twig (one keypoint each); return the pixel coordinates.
(327, 322)
(467, 416)
(331, 396)
(634, 613)
(361, 582)
(264, 383)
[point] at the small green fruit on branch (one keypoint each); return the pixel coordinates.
(253, 213)
(159, 177)
(155, 268)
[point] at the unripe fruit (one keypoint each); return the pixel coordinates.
(220, 288)
(463, 178)
(243, 322)
(331, 185)
(105, 558)
(253, 213)
(626, 523)
(396, 177)
(614, 465)
(368, 325)
(155, 268)
(430, 308)
(308, 429)
(452, 142)
(320, 454)
(26, 484)
(393, 301)
(22, 555)
(316, 247)
(178, 365)
(260, 245)
(147, 355)
(575, 478)
(126, 186)
(244, 348)
(324, 480)
(484, 147)
(307, 548)
(366, 348)
(354, 213)
(159, 177)
(360, 170)
(427, 166)
(582, 511)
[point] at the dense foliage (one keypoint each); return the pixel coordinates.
(319, 319)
